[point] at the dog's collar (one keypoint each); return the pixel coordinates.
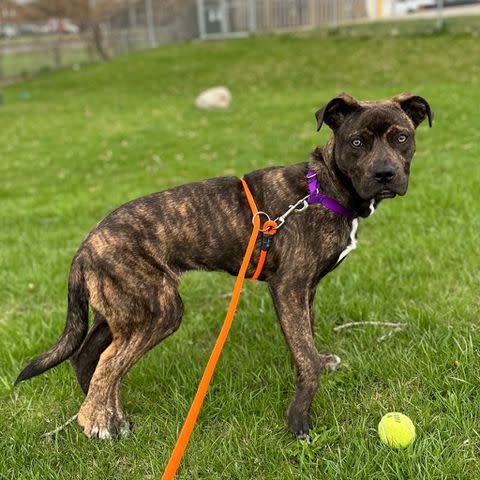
(317, 197)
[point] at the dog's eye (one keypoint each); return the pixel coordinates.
(402, 138)
(356, 142)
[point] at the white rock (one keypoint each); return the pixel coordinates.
(215, 97)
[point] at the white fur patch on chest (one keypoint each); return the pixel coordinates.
(353, 235)
(353, 241)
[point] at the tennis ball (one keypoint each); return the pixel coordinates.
(396, 430)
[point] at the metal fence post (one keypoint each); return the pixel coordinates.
(201, 19)
(57, 51)
(132, 25)
(252, 16)
(225, 16)
(439, 14)
(150, 23)
(334, 22)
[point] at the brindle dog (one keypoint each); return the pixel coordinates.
(128, 268)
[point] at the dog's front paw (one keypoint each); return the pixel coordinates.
(329, 362)
(103, 423)
(298, 423)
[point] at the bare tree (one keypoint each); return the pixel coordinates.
(88, 14)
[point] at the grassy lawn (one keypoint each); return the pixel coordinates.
(24, 65)
(90, 140)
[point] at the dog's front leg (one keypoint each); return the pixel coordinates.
(293, 304)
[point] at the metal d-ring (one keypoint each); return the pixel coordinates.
(261, 213)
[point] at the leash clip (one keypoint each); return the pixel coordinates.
(299, 207)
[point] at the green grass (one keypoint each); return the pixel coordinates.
(412, 26)
(88, 141)
(23, 65)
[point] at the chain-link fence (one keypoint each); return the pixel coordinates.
(24, 55)
(153, 22)
(149, 23)
(227, 17)
(138, 24)
(135, 25)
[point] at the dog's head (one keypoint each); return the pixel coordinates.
(374, 142)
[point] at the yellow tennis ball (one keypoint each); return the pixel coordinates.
(396, 430)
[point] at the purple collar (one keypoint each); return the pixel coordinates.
(317, 197)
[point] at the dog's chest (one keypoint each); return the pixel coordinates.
(352, 238)
(352, 242)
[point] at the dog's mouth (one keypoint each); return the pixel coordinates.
(385, 193)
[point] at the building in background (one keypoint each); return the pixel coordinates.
(391, 8)
(12, 16)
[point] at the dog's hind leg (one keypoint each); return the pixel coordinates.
(85, 360)
(137, 326)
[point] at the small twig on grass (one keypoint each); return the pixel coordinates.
(361, 324)
(61, 427)
(397, 327)
(395, 330)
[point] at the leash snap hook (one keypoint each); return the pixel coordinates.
(303, 207)
(298, 207)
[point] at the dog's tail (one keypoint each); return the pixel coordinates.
(75, 328)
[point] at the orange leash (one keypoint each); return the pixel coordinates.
(187, 428)
(269, 230)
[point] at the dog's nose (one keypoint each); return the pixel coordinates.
(384, 174)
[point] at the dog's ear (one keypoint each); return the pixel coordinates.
(335, 111)
(417, 108)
